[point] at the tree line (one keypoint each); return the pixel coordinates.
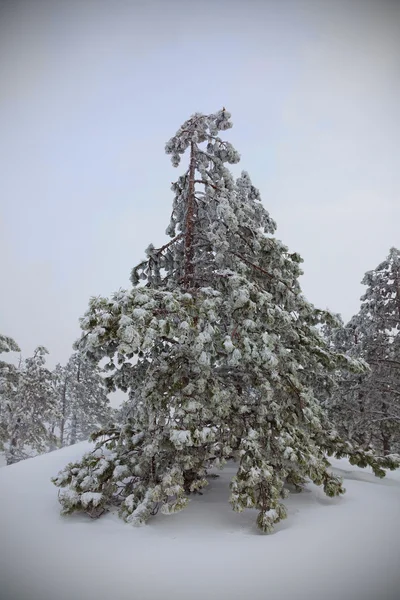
(366, 406)
(43, 409)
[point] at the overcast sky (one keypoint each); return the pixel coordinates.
(92, 90)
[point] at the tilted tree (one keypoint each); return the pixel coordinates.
(366, 407)
(228, 357)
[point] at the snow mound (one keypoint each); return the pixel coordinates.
(343, 548)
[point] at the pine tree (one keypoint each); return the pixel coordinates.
(367, 406)
(30, 409)
(9, 377)
(83, 404)
(7, 344)
(228, 357)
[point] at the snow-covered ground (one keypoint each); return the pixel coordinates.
(342, 549)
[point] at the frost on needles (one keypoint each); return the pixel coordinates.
(366, 407)
(228, 357)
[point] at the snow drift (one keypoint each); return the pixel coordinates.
(345, 548)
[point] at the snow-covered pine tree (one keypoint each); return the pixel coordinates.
(366, 407)
(9, 377)
(228, 355)
(30, 409)
(7, 344)
(82, 400)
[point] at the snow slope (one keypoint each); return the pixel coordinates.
(346, 549)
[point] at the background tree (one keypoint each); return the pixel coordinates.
(82, 400)
(228, 357)
(30, 409)
(366, 407)
(9, 379)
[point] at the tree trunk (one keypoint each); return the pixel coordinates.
(386, 444)
(74, 424)
(362, 433)
(11, 454)
(53, 439)
(73, 429)
(385, 433)
(189, 222)
(398, 292)
(63, 413)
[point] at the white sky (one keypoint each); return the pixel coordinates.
(92, 90)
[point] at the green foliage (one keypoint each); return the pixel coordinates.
(230, 357)
(366, 404)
